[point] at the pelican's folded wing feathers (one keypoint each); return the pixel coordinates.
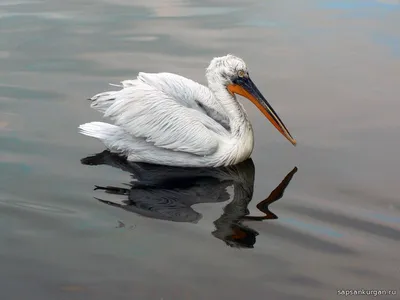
(186, 92)
(147, 112)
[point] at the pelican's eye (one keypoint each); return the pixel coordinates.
(240, 73)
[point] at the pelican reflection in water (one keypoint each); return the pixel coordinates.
(167, 119)
(168, 193)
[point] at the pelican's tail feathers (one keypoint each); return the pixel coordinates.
(114, 137)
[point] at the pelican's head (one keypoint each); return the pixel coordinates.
(231, 71)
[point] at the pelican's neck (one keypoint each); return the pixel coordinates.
(238, 121)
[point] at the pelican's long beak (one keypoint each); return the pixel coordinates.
(245, 87)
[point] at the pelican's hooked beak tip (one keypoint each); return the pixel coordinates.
(292, 140)
(285, 132)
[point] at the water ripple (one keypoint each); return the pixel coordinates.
(11, 202)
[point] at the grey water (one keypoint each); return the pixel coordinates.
(301, 222)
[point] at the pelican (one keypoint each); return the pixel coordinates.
(167, 119)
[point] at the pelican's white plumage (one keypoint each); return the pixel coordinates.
(167, 119)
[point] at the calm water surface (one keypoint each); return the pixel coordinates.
(330, 68)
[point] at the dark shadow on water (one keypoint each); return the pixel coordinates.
(168, 193)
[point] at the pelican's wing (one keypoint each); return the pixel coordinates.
(195, 95)
(147, 112)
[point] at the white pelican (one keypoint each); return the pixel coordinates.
(167, 119)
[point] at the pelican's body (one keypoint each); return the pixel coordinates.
(167, 119)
